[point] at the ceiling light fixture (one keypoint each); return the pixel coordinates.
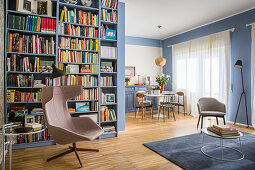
(160, 61)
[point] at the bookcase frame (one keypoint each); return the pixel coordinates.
(59, 4)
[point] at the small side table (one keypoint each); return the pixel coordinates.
(208, 133)
(9, 133)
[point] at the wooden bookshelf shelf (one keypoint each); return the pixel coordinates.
(72, 6)
(73, 36)
(109, 8)
(108, 104)
(108, 86)
(108, 72)
(68, 49)
(25, 32)
(90, 87)
(78, 63)
(26, 14)
(33, 54)
(75, 24)
(82, 74)
(82, 101)
(108, 58)
(24, 102)
(74, 113)
(109, 23)
(108, 40)
(23, 87)
(21, 72)
(109, 122)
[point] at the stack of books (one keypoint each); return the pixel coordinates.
(223, 130)
(110, 4)
(107, 114)
(109, 129)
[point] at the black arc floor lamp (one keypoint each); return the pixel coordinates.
(56, 72)
(239, 64)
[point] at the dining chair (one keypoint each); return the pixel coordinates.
(210, 107)
(142, 105)
(178, 103)
(167, 104)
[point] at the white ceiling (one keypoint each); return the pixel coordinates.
(176, 16)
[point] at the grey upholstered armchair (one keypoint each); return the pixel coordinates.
(210, 107)
(62, 127)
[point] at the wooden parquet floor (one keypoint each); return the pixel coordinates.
(125, 152)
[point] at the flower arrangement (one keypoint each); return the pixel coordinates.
(162, 78)
(156, 88)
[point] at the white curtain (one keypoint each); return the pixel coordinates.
(253, 76)
(201, 68)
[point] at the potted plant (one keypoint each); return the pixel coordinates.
(127, 80)
(162, 80)
(156, 90)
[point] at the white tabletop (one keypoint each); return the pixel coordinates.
(209, 133)
(159, 95)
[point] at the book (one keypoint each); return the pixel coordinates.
(85, 80)
(107, 114)
(71, 68)
(79, 17)
(110, 4)
(31, 44)
(108, 52)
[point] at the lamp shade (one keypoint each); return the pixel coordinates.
(160, 61)
(239, 64)
(56, 72)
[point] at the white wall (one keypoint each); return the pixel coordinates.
(143, 58)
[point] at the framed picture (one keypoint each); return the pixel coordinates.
(109, 98)
(129, 71)
(44, 7)
(29, 119)
(26, 6)
(110, 34)
(82, 107)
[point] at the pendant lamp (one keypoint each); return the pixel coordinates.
(160, 61)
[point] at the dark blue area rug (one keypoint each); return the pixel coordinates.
(186, 152)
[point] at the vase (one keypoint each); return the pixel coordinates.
(162, 86)
(126, 83)
(156, 92)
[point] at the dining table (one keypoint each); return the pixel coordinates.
(159, 96)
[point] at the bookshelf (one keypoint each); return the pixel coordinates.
(75, 44)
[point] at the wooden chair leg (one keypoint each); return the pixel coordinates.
(202, 122)
(184, 109)
(159, 111)
(217, 120)
(142, 112)
(164, 114)
(152, 112)
(198, 120)
(168, 112)
(173, 113)
(224, 120)
(135, 105)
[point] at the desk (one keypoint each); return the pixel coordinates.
(158, 96)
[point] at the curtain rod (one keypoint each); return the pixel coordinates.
(231, 30)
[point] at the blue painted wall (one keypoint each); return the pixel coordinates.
(121, 70)
(240, 49)
(142, 41)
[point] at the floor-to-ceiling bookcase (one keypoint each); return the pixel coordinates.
(26, 60)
